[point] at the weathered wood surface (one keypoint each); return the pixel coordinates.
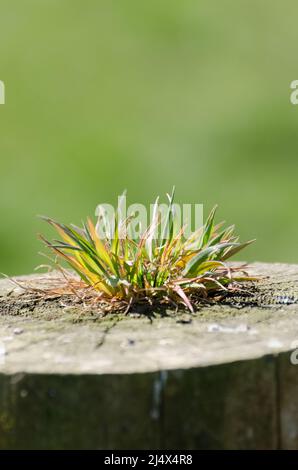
(221, 378)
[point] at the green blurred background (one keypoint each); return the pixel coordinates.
(102, 96)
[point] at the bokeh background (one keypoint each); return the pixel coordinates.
(102, 96)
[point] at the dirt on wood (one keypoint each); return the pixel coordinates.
(277, 286)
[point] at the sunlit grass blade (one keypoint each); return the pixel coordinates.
(234, 250)
(208, 227)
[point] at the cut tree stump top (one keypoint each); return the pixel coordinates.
(221, 378)
(47, 337)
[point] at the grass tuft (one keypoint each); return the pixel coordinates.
(159, 266)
